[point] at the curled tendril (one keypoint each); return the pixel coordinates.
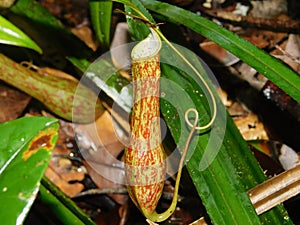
(187, 120)
(193, 126)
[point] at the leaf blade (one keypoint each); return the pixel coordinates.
(11, 35)
(101, 19)
(26, 146)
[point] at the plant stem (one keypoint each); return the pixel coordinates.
(64, 208)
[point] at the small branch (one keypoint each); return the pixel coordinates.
(275, 190)
(285, 53)
(165, 195)
(101, 192)
(272, 192)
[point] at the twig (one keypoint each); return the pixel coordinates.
(272, 192)
(275, 190)
(96, 191)
(102, 191)
(284, 52)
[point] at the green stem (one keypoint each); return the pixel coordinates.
(64, 208)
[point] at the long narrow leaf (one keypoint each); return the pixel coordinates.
(135, 24)
(234, 169)
(101, 17)
(81, 64)
(264, 63)
(11, 35)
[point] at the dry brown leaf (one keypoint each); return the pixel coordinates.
(289, 52)
(263, 38)
(79, 176)
(251, 128)
(69, 189)
(247, 122)
(102, 149)
(61, 169)
(104, 183)
(102, 133)
(268, 9)
(222, 55)
(85, 34)
(12, 103)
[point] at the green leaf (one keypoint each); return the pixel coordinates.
(233, 170)
(33, 10)
(209, 162)
(101, 18)
(25, 150)
(81, 64)
(11, 35)
(135, 24)
(264, 63)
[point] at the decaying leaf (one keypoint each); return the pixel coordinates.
(59, 180)
(289, 52)
(100, 147)
(288, 157)
(12, 103)
(247, 122)
(223, 56)
(85, 34)
(268, 9)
